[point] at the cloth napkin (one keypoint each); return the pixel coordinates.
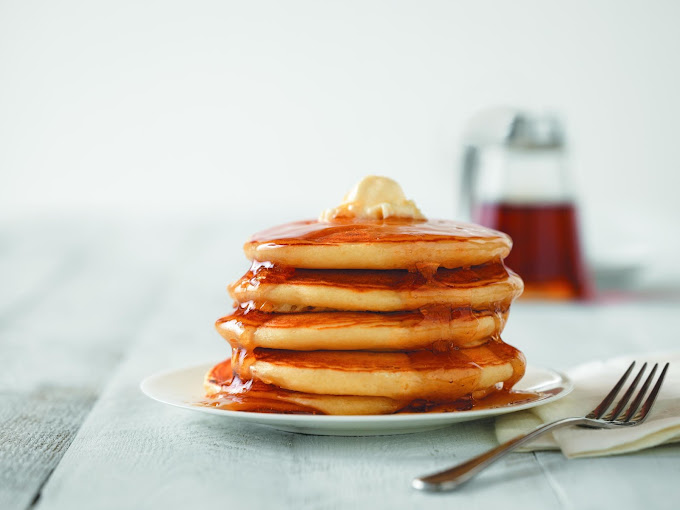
(592, 381)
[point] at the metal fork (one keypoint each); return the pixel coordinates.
(458, 475)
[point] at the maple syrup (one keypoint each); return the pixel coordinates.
(546, 248)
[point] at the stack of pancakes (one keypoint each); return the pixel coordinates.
(362, 316)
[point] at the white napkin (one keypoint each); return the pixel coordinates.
(592, 381)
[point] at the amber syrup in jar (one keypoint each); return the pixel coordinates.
(546, 250)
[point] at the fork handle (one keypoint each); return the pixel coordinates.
(453, 477)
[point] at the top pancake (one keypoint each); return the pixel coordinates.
(378, 244)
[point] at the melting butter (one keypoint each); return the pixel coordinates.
(376, 198)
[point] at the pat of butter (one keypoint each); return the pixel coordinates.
(374, 198)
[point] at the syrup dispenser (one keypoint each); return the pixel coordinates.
(514, 179)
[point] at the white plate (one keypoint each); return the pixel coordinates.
(184, 388)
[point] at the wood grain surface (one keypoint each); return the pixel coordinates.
(74, 292)
(86, 312)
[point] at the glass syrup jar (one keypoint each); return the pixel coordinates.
(515, 179)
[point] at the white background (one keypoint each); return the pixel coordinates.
(273, 109)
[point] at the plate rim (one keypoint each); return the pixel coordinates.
(320, 420)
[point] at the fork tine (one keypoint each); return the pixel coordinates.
(644, 410)
(621, 405)
(641, 394)
(604, 405)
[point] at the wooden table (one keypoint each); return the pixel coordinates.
(89, 307)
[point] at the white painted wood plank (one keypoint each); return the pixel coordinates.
(36, 430)
(59, 346)
(646, 479)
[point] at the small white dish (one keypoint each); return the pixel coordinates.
(184, 388)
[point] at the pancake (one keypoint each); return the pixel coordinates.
(437, 376)
(276, 289)
(410, 330)
(377, 244)
(232, 393)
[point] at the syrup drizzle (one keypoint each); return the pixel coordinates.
(392, 230)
